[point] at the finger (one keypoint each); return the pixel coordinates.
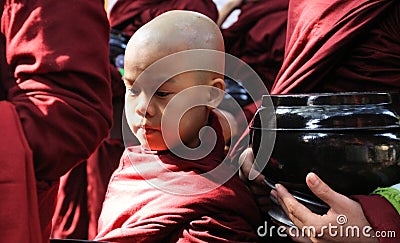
(325, 193)
(247, 172)
(297, 212)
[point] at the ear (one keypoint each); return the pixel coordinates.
(217, 92)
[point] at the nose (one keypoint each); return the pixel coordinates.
(144, 106)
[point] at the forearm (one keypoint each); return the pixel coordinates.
(57, 52)
(226, 10)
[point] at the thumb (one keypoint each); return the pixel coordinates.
(324, 192)
(247, 171)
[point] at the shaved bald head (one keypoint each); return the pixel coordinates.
(179, 30)
(172, 32)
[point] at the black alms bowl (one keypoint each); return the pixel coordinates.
(351, 140)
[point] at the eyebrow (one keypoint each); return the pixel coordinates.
(130, 81)
(170, 80)
(127, 81)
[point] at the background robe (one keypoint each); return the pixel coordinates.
(258, 37)
(53, 67)
(337, 46)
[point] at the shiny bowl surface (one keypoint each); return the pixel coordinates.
(351, 140)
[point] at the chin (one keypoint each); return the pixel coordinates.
(155, 147)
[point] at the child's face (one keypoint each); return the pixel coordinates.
(146, 102)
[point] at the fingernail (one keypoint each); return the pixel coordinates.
(312, 178)
(274, 193)
(277, 186)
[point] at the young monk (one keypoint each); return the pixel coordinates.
(82, 189)
(156, 195)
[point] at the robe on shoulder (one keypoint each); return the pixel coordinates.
(164, 198)
(335, 46)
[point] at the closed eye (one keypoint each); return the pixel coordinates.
(162, 93)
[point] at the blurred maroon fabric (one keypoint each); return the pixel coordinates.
(130, 15)
(258, 37)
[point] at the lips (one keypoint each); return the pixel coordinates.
(147, 129)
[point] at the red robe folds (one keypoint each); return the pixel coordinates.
(136, 211)
(54, 71)
(341, 46)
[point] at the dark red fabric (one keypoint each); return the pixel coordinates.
(135, 210)
(60, 79)
(381, 215)
(341, 46)
(130, 15)
(258, 37)
(19, 212)
(82, 192)
(71, 201)
(54, 70)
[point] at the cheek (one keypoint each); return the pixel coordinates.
(129, 110)
(192, 121)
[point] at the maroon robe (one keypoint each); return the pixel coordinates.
(136, 211)
(258, 37)
(82, 189)
(381, 215)
(19, 214)
(341, 46)
(54, 74)
(130, 15)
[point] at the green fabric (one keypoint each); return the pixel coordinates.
(121, 70)
(391, 194)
